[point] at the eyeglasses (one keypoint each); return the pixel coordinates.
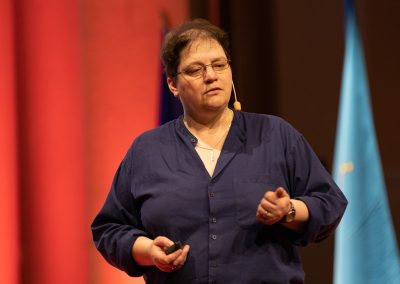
(198, 70)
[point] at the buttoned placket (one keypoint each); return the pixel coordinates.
(224, 158)
(213, 229)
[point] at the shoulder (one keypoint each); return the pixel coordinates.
(156, 135)
(267, 124)
(151, 140)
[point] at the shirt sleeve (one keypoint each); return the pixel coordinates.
(117, 226)
(312, 184)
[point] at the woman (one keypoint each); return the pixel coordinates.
(239, 190)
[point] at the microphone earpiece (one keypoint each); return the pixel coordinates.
(236, 105)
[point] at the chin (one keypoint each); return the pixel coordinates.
(215, 107)
(216, 102)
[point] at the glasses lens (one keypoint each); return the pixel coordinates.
(198, 70)
(194, 70)
(220, 65)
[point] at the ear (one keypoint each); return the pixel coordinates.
(172, 87)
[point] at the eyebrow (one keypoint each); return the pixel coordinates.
(202, 63)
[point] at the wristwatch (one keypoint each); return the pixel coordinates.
(289, 217)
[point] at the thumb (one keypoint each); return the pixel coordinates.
(162, 241)
(281, 192)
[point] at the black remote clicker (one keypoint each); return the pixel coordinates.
(174, 247)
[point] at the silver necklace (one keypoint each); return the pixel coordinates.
(212, 155)
(212, 149)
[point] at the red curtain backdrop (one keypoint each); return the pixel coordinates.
(121, 62)
(51, 142)
(79, 80)
(9, 217)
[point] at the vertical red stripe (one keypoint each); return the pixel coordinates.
(55, 232)
(121, 58)
(9, 237)
(121, 44)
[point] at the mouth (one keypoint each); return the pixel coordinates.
(212, 91)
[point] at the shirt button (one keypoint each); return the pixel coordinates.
(214, 220)
(193, 140)
(212, 194)
(214, 237)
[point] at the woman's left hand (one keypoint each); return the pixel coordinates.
(273, 206)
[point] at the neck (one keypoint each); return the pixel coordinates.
(210, 125)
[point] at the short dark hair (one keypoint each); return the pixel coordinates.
(179, 38)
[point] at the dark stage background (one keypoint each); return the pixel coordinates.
(287, 60)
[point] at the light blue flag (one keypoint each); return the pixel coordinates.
(365, 245)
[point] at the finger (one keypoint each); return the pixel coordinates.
(164, 266)
(267, 205)
(270, 196)
(279, 211)
(171, 268)
(269, 216)
(178, 256)
(162, 242)
(263, 214)
(181, 259)
(281, 192)
(267, 221)
(167, 268)
(166, 261)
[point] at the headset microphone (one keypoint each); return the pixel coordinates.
(236, 105)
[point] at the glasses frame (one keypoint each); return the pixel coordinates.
(204, 69)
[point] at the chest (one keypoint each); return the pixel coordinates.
(187, 188)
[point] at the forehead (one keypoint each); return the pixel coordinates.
(202, 50)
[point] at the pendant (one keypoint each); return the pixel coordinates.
(212, 156)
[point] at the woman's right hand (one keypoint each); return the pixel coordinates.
(164, 262)
(151, 252)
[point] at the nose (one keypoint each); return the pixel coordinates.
(209, 73)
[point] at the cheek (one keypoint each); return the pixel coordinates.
(228, 77)
(193, 88)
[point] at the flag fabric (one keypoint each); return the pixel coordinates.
(365, 244)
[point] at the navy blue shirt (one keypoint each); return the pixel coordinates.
(162, 188)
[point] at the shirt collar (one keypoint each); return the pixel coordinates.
(237, 129)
